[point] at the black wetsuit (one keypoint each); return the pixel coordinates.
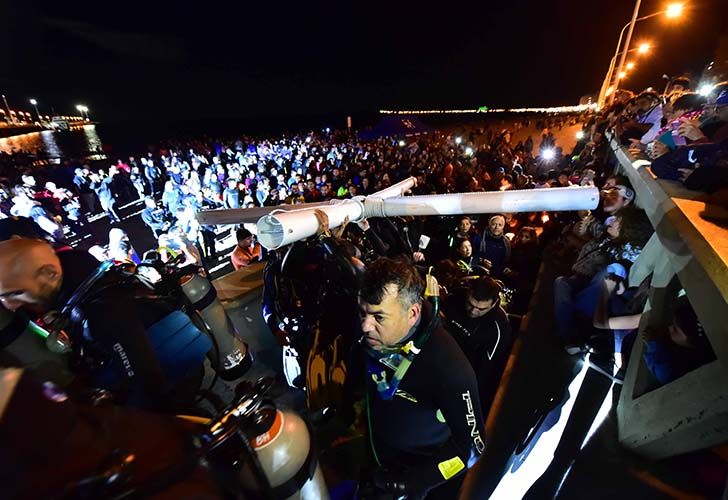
(112, 328)
(486, 341)
(432, 429)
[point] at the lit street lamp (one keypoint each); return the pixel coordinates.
(642, 49)
(82, 109)
(672, 11)
(35, 105)
(705, 89)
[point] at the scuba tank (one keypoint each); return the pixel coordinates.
(26, 342)
(279, 442)
(234, 358)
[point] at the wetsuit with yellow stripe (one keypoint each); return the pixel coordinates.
(432, 429)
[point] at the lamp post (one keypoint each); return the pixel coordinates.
(672, 11)
(607, 87)
(8, 116)
(35, 105)
(626, 45)
(83, 110)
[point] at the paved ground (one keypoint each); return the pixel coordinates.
(142, 238)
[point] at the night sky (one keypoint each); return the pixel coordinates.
(211, 59)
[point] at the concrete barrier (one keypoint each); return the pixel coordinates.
(689, 252)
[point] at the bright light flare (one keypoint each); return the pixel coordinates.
(622, 75)
(674, 10)
(458, 140)
(644, 48)
(401, 144)
(630, 66)
(308, 139)
(548, 154)
(705, 89)
(469, 151)
(33, 102)
(580, 135)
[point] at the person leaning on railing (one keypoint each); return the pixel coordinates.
(703, 164)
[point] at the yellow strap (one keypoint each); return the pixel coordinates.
(450, 467)
(194, 419)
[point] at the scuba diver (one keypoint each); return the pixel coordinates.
(425, 428)
(309, 304)
(480, 326)
(121, 334)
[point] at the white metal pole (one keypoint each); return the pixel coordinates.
(608, 78)
(398, 189)
(281, 228)
(242, 215)
(626, 48)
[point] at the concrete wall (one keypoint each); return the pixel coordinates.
(690, 252)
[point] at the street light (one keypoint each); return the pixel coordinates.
(82, 109)
(705, 89)
(35, 105)
(628, 66)
(672, 11)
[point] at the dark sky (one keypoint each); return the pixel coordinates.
(226, 59)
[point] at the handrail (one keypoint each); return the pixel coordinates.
(676, 214)
(691, 412)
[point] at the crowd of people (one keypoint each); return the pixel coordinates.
(684, 133)
(486, 265)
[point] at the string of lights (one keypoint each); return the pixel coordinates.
(556, 109)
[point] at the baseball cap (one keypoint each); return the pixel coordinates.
(617, 269)
(722, 99)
